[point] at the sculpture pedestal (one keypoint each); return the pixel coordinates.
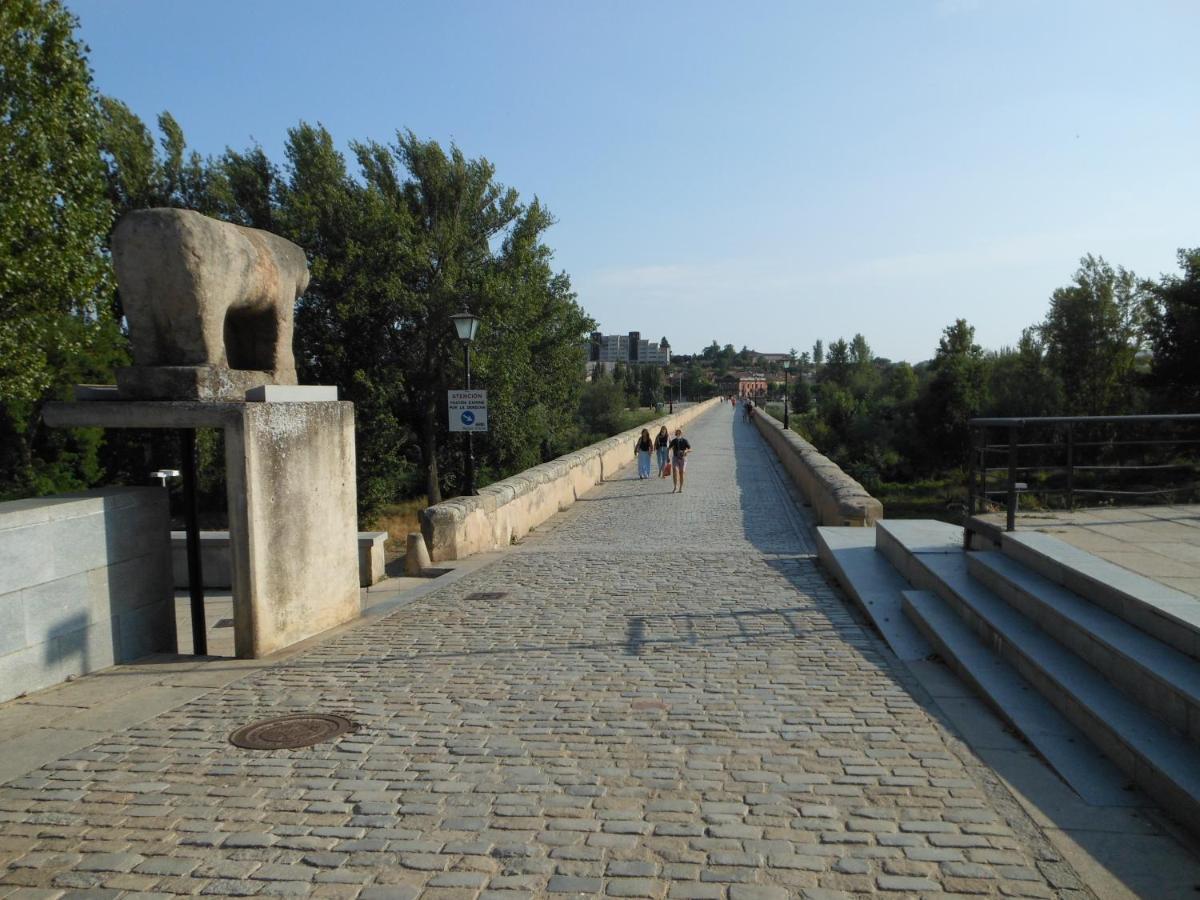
(188, 382)
(290, 479)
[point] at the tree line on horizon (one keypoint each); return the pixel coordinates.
(399, 236)
(1110, 344)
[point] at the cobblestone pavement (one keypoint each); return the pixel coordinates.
(659, 696)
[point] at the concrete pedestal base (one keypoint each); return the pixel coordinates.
(290, 474)
(188, 382)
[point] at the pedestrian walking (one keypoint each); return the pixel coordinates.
(680, 448)
(642, 451)
(661, 442)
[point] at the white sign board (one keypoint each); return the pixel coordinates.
(468, 410)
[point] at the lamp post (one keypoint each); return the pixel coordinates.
(467, 326)
(670, 393)
(786, 365)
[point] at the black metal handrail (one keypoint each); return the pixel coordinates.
(1063, 442)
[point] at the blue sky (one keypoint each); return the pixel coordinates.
(759, 173)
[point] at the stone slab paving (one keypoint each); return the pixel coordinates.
(659, 696)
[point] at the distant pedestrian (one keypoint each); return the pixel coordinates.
(642, 451)
(660, 448)
(680, 448)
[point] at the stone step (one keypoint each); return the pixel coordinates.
(1157, 609)
(1155, 675)
(1165, 764)
(1017, 702)
(850, 555)
(902, 540)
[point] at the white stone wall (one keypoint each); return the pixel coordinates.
(85, 582)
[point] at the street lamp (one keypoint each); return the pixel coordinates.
(467, 326)
(786, 365)
(163, 474)
(670, 393)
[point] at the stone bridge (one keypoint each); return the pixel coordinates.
(652, 695)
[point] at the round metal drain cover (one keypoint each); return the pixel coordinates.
(288, 732)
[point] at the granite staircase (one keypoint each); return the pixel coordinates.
(1063, 645)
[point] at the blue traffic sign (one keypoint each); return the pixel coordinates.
(468, 417)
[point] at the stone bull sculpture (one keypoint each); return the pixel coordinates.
(209, 305)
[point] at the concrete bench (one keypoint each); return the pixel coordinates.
(217, 565)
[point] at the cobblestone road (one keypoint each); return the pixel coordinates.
(659, 696)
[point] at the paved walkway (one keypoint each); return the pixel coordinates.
(1159, 542)
(660, 695)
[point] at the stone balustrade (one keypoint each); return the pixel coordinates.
(836, 498)
(506, 511)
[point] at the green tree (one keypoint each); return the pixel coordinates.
(55, 323)
(425, 233)
(1020, 382)
(602, 409)
(837, 366)
(1092, 334)
(649, 385)
(955, 393)
(1174, 327)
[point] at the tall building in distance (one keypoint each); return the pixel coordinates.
(630, 349)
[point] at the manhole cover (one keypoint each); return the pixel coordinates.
(486, 595)
(286, 732)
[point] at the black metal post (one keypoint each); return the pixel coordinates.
(1070, 467)
(785, 399)
(670, 395)
(187, 450)
(973, 461)
(1011, 519)
(469, 462)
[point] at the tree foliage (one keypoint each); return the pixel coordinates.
(1092, 335)
(1173, 318)
(55, 325)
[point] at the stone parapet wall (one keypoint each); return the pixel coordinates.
(836, 498)
(507, 510)
(85, 583)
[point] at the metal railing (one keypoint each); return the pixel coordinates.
(1062, 458)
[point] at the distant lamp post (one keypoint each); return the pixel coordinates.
(670, 393)
(786, 365)
(467, 327)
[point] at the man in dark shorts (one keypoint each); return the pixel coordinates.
(680, 448)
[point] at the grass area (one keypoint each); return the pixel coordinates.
(398, 520)
(932, 498)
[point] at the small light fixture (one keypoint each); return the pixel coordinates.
(163, 474)
(466, 325)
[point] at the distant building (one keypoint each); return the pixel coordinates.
(752, 386)
(630, 349)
